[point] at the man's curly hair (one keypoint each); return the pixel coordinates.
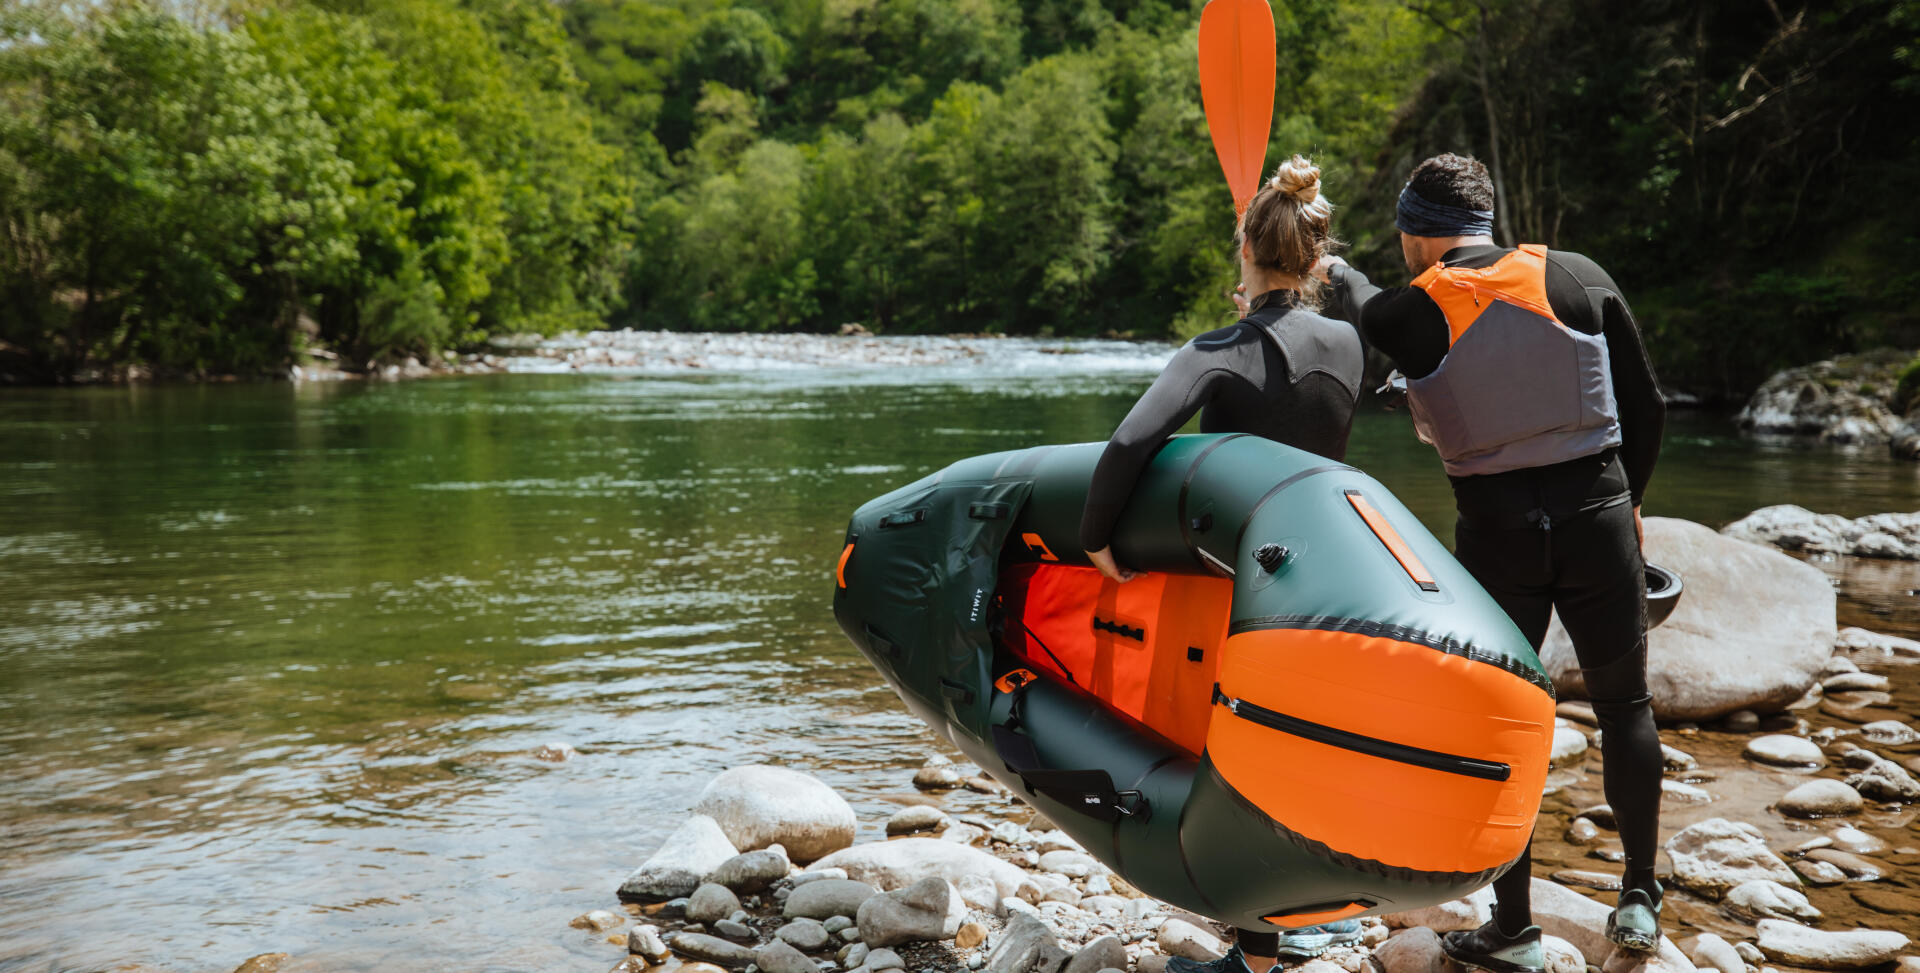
(1453, 180)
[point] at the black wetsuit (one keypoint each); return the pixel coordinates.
(1240, 380)
(1560, 536)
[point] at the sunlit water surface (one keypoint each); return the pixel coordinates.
(274, 660)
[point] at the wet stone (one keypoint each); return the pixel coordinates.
(837, 923)
(1820, 798)
(735, 930)
(1797, 945)
(1819, 872)
(1588, 880)
(711, 949)
(1763, 899)
(915, 818)
(1892, 733)
(1579, 711)
(970, 934)
(1857, 868)
(1741, 721)
(645, 942)
(1856, 842)
(1847, 682)
(804, 934)
(1601, 815)
(599, 920)
(1673, 790)
(943, 778)
(1612, 851)
(1785, 751)
(710, 902)
(1677, 761)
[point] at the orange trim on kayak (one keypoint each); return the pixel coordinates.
(1395, 545)
(1296, 920)
(840, 572)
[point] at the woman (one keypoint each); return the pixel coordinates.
(1282, 372)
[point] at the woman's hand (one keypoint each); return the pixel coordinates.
(1239, 296)
(1109, 568)
(1639, 530)
(1320, 267)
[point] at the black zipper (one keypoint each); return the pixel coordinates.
(1360, 743)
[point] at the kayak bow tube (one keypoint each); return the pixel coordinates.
(1305, 710)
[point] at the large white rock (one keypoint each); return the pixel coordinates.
(761, 805)
(1890, 535)
(1766, 899)
(1715, 855)
(1797, 945)
(1752, 631)
(684, 859)
(897, 864)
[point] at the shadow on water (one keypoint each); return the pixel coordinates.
(274, 661)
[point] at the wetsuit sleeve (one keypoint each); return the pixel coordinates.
(1403, 323)
(1181, 390)
(1586, 298)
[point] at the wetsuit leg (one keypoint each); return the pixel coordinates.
(1602, 602)
(1514, 565)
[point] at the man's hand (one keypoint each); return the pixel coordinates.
(1239, 296)
(1320, 271)
(1109, 568)
(1639, 530)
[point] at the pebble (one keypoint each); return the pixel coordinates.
(1797, 945)
(736, 930)
(823, 900)
(711, 949)
(854, 955)
(1676, 760)
(851, 934)
(599, 920)
(836, 923)
(1008, 833)
(983, 785)
(1025, 858)
(1749, 952)
(1569, 746)
(936, 778)
(1847, 682)
(1892, 733)
(965, 834)
(1673, 790)
(1764, 899)
(970, 934)
(1612, 851)
(809, 935)
(1579, 711)
(1585, 879)
(1819, 872)
(1855, 841)
(1820, 798)
(1857, 868)
(781, 957)
(916, 817)
(645, 942)
(1601, 815)
(1741, 721)
(710, 902)
(1785, 751)
(812, 875)
(884, 959)
(1184, 939)
(632, 964)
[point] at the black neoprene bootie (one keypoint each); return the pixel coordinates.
(1487, 948)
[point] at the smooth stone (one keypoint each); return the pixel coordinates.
(1749, 952)
(1673, 790)
(1102, 953)
(900, 863)
(1025, 944)
(964, 834)
(1860, 644)
(684, 860)
(1797, 945)
(645, 942)
(1009, 833)
(936, 778)
(916, 817)
(1676, 760)
(752, 871)
(884, 959)
(809, 935)
(1569, 745)
(1764, 899)
(1612, 851)
(824, 900)
(736, 930)
(630, 964)
(1466, 912)
(817, 875)
(780, 956)
(1782, 608)
(1562, 957)
(1820, 798)
(983, 785)
(599, 920)
(1073, 864)
(1104, 905)
(1712, 952)
(1413, 950)
(834, 925)
(1054, 839)
(1582, 832)
(1716, 855)
(1855, 841)
(969, 935)
(927, 910)
(1602, 815)
(263, 963)
(1741, 721)
(1886, 781)
(1887, 901)
(711, 949)
(854, 955)
(979, 892)
(1849, 682)
(760, 805)
(1183, 939)
(1857, 868)
(712, 902)
(1819, 872)
(1151, 963)
(1785, 751)
(1579, 711)
(1601, 881)
(1889, 733)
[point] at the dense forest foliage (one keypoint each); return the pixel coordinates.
(235, 186)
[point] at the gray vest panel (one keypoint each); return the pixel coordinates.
(1516, 391)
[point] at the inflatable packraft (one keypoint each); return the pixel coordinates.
(1305, 710)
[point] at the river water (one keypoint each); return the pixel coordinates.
(274, 659)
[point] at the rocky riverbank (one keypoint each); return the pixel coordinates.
(1852, 399)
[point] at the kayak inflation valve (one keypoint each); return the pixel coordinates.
(1271, 556)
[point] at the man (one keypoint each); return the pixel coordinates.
(1527, 373)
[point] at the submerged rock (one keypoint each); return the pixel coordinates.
(1753, 630)
(1820, 798)
(1846, 399)
(1765, 899)
(1785, 751)
(1716, 855)
(1797, 945)
(683, 861)
(759, 805)
(1862, 645)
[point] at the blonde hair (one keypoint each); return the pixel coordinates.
(1287, 225)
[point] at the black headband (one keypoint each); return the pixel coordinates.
(1417, 216)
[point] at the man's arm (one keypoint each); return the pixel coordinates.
(1402, 322)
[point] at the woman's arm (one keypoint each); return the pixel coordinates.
(1180, 391)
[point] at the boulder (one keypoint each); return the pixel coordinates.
(1785, 751)
(1415, 950)
(1819, 799)
(759, 805)
(824, 900)
(779, 956)
(1845, 399)
(1797, 945)
(1177, 937)
(710, 949)
(927, 910)
(897, 864)
(685, 859)
(916, 817)
(1893, 535)
(752, 871)
(1714, 856)
(1106, 952)
(1026, 945)
(1752, 631)
(711, 903)
(1765, 899)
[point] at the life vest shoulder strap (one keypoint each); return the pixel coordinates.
(1519, 277)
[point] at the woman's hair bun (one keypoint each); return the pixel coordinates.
(1298, 179)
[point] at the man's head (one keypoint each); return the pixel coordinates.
(1448, 200)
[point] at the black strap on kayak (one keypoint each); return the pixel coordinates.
(1090, 792)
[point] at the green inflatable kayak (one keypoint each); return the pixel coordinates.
(1305, 710)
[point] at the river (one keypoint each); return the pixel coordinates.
(274, 659)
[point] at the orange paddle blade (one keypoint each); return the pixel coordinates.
(1236, 86)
